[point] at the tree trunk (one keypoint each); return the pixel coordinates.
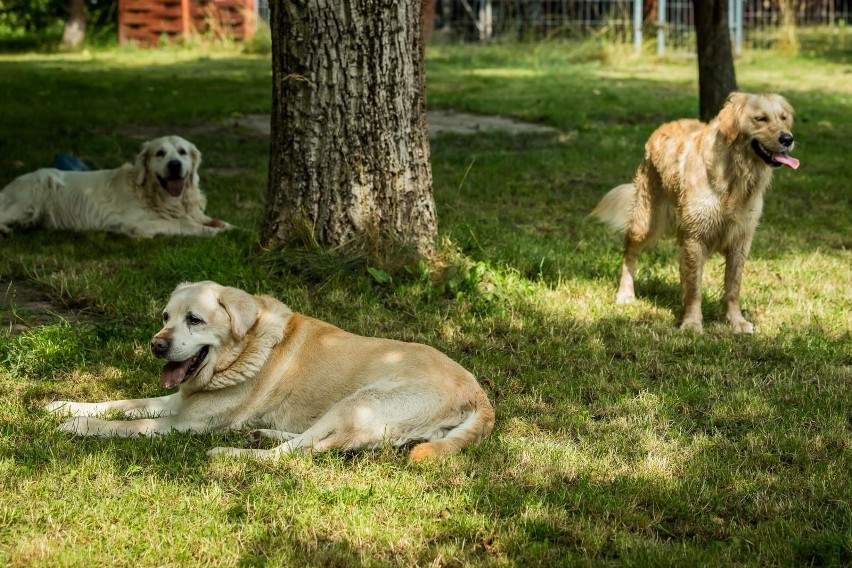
(349, 156)
(75, 27)
(716, 78)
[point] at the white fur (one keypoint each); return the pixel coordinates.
(313, 386)
(615, 207)
(129, 199)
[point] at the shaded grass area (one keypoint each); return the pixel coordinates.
(619, 439)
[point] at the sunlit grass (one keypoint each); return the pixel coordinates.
(619, 439)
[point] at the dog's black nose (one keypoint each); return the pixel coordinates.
(175, 167)
(786, 139)
(159, 346)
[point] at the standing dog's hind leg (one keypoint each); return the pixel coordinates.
(626, 293)
(692, 260)
(647, 222)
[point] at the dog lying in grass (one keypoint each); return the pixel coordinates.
(706, 182)
(242, 360)
(158, 194)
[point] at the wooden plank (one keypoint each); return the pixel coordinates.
(146, 20)
(186, 22)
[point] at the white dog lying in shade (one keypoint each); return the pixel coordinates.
(158, 194)
(242, 360)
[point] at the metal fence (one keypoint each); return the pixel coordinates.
(669, 22)
(262, 7)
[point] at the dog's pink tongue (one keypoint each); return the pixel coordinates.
(173, 373)
(786, 160)
(174, 186)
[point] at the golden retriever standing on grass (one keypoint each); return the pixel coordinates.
(242, 360)
(158, 194)
(705, 181)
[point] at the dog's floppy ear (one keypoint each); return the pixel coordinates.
(141, 164)
(195, 158)
(729, 116)
(241, 308)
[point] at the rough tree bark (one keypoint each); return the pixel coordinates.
(716, 78)
(75, 27)
(349, 155)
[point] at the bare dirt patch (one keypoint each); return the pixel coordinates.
(23, 306)
(238, 125)
(225, 172)
(439, 122)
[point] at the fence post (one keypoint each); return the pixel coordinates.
(638, 6)
(486, 21)
(661, 27)
(185, 19)
(738, 35)
(735, 24)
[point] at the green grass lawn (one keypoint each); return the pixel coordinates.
(619, 439)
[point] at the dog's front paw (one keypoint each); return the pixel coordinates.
(695, 326)
(624, 297)
(224, 452)
(59, 406)
(78, 425)
(69, 408)
(249, 453)
(742, 326)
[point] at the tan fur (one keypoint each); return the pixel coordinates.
(129, 199)
(706, 182)
(312, 385)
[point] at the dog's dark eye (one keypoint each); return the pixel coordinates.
(160, 153)
(193, 320)
(761, 119)
(165, 317)
(182, 152)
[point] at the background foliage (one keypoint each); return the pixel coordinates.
(25, 24)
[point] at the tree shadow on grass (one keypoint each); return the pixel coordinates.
(668, 294)
(610, 433)
(277, 545)
(687, 448)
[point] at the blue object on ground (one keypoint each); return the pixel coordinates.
(69, 163)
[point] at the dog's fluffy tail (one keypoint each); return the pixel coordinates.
(475, 427)
(616, 206)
